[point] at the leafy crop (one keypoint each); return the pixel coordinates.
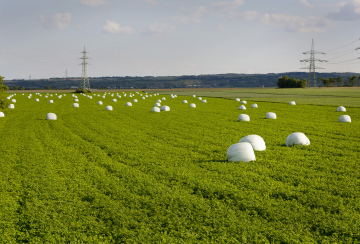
(130, 175)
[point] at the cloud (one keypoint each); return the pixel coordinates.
(295, 23)
(94, 3)
(152, 2)
(347, 11)
(115, 28)
(58, 21)
(159, 29)
(306, 3)
(224, 6)
(193, 17)
(250, 15)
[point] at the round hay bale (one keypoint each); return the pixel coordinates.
(143, 98)
(192, 105)
(129, 104)
(184, 101)
(37, 100)
(292, 103)
(204, 101)
(114, 100)
(110, 108)
(254, 105)
(13, 100)
(2, 114)
(244, 117)
(135, 101)
(75, 105)
(158, 101)
(199, 98)
(345, 118)
(51, 101)
(243, 102)
(242, 107)
(51, 116)
(341, 109)
(11, 106)
(165, 108)
(270, 115)
(155, 109)
(99, 103)
(193, 95)
(257, 142)
(242, 151)
(76, 100)
(163, 98)
(237, 99)
(157, 105)
(297, 138)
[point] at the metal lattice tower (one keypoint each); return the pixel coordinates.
(84, 83)
(312, 60)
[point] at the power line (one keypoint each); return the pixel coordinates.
(342, 46)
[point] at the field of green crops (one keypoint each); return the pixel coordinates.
(134, 176)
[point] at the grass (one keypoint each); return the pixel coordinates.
(130, 175)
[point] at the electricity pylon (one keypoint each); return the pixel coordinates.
(312, 60)
(84, 83)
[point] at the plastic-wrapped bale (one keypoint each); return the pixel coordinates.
(193, 95)
(158, 101)
(257, 142)
(254, 105)
(345, 118)
(242, 107)
(243, 102)
(99, 103)
(114, 100)
(163, 98)
(51, 116)
(37, 100)
(51, 101)
(157, 104)
(237, 99)
(143, 98)
(341, 109)
(76, 100)
(270, 115)
(204, 101)
(2, 114)
(135, 101)
(297, 138)
(192, 105)
(242, 151)
(292, 103)
(129, 104)
(165, 108)
(155, 109)
(11, 106)
(200, 98)
(13, 100)
(184, 101)
(110, 108)
(75, 105)
(244, 117)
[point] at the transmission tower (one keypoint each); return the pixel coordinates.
(312, 60)
(84, 83)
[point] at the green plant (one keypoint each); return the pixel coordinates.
(4, 102)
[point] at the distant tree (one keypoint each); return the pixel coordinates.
(47, 87)
(287, 82)
(4, 102)
(22, 88)
(15, 88)
(339, 81)
(351, 81)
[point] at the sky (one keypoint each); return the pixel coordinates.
(45, 38)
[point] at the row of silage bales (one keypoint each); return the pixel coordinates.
(343, 118)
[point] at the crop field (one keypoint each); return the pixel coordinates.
(134, 176)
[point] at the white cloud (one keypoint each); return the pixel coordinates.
(115, 28)
(153, 2)
(159, 29)
(58, 21)
(347, 11)
(295, 23)
(224, 6)
(250, 15)
(306, 3)
(193, 17)
(94, 3)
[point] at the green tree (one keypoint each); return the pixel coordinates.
(4, 102)
(287, 82)
(48, 87)
(351, 81)
(339, 81)
(15, 88)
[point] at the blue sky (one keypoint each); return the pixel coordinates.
(43, 38)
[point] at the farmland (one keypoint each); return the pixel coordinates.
(130, 175)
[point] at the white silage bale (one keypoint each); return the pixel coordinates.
(243, 102)
(192, 105)
(199, 98)
(163, 98)
(13, 100)
(157, 105)
(2, 114)
(51, 116)
(155, 109)
(244, 117)
(242, 107)
(37, 100)
(297, 138)
(114, 100)
(237, 99)
(270, 115)
(129, 104)
(165, 108)
(341, 109)
(254, 105)
(11, 106)
(204, 101)
(75, 105)
(193, 95)
(292, 103)
(158, 101)
(257, 142)
(143, 98)
(99, 103)
(345, 118)
(51, 101)
(135, 101)
(242, 151)
(184, 101)
(110, 108)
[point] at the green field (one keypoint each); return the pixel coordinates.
(133, 176)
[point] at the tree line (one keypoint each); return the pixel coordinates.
(339, 81)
